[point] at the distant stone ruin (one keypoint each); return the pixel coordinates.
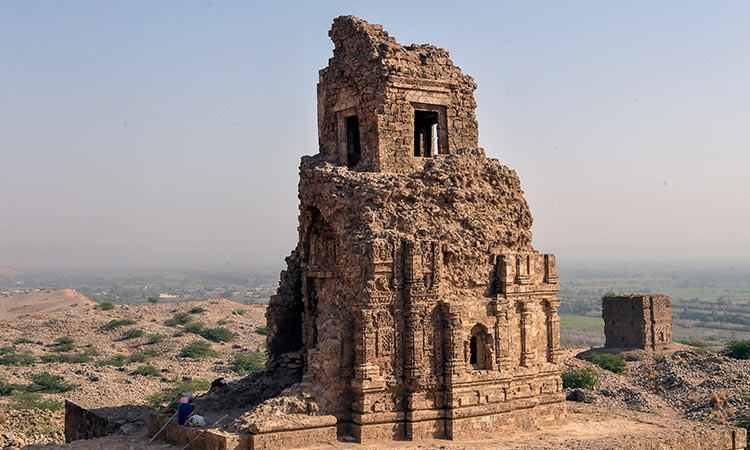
(637, 321)
(414, 305)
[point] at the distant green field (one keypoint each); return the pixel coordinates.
(581, 331)
(582, 323)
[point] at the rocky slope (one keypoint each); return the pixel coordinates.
(682, 382)
(40, 302)
(30, 345)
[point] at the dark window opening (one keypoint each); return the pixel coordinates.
(425, 133)
(479, 348)
(353, 150)
(313, 311)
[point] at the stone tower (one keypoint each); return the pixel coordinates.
(637, 321)
(414, 295)
(381, 105)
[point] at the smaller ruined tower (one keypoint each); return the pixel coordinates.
(637, 321)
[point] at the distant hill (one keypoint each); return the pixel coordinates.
(9, 271)
(40, 302)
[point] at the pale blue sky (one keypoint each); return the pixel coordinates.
(170, 132)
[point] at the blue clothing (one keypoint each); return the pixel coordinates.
(183, 412)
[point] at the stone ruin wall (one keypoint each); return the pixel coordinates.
(637, 321)
(465, 270)
(407, 266)
(382, 82)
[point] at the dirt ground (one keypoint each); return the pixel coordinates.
(588, 427)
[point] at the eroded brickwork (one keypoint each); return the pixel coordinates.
(637, 321)
(414, 293)
(388, 88)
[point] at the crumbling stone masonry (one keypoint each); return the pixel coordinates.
(414, 293)
(637, 321)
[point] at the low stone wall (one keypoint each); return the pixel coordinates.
(487, 425)
(264, 438)
(293, 438)
(82, 423)
(204, 439)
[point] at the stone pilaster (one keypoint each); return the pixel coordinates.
(500, 306)
(550, 269)
(527, 352)
(365, 336)
(554, 351)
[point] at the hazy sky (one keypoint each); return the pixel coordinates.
(170, 132)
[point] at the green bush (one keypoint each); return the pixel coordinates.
(25, 358)
(587, 378)
(179, 319)
(197, 310)
(218, 334)
(147, 371)
(64, 344)
(161, 399)
(33, 400)
(117, 360)
(609, 294)
(23, 340)
(8, 349)
(154, 338)
(8, 388)
(198, 349)
(105, 306)
(263, 330)
(116, 323)
(193, 327)
(132, 333)
(222, 322)
(153, 300)
(69, 358)
(613, 363)
(46, 382)
(240, 312)
(738, 349)
(247, 363)
(142, 356)
(91, 351)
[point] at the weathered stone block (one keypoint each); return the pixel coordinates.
(637, 321)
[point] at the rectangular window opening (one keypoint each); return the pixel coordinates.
(353, 150)
(426, 138)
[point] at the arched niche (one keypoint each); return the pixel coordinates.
(479, 347)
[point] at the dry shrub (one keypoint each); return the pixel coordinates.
(717, 400)
(653, 375)
(692, 399)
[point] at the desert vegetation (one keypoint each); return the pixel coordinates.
(247, 363)
(586, 378)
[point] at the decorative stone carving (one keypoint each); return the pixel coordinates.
(423, 310)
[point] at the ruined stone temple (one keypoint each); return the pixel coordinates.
(414, 305)
(637, 321)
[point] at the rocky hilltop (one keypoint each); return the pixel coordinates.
(110, 357)
(41, 301)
